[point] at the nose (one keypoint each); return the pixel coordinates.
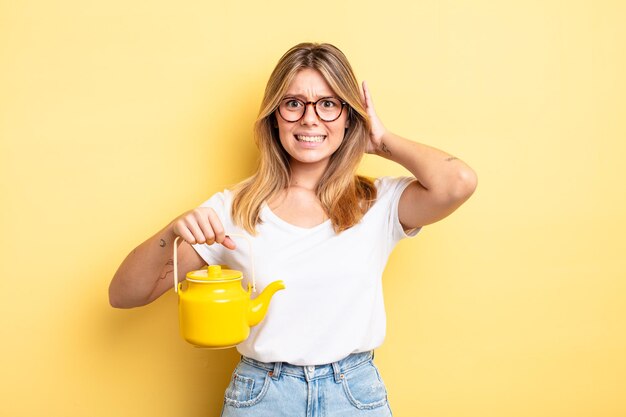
(310, 116)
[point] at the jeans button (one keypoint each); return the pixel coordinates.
(311, 368)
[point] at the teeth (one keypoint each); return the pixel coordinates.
(310, 138)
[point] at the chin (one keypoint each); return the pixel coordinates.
(309, 159)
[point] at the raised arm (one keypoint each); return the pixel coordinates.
(443, 182)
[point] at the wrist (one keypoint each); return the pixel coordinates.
(168, 235)
(384, 146)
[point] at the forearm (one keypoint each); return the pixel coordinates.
(435, 170)
(147, 272)
(142, 270)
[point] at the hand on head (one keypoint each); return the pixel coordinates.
(377, 129)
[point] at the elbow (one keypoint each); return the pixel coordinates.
(115, 294)
(114, 303)
(125, 298)
(115, 300)
(118, 302)
(464, 184)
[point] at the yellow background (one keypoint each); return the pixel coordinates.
(117, 116)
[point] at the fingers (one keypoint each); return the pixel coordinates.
(217, 230)
(194, 226)
(181, 229)
(202, 225)
(362, 91)
(368, 97)
(203, 217)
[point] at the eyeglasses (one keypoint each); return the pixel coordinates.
(328, 109)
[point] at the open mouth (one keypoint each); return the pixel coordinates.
(310, 139)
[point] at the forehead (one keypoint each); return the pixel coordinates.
(309, 83)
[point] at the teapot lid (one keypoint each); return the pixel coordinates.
(214, 273)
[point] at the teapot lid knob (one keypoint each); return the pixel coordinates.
(214, 273)
(215, 270)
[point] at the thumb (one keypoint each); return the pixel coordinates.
(229, 243)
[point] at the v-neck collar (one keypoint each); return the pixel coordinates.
(271, 216)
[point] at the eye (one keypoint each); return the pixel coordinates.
(329, 103)
(293, 104)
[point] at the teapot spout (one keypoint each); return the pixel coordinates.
(258, 306)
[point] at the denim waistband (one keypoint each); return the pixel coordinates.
(311, 372)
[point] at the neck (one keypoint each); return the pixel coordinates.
(307, 175)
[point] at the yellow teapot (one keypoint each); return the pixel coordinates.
(214, 310)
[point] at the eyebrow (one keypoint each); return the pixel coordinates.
(304, 98)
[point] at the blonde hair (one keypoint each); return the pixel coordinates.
(344, 196)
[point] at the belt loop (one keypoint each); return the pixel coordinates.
(275, 374)
(337, 371)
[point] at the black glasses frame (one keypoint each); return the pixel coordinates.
(314, 103)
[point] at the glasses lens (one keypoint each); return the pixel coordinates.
(291, 109)
(328, 109)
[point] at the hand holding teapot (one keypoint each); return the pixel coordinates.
(201, 225)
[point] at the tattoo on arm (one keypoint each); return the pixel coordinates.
(162, 243)
(167, 270)
(385, 149)
(452, 158)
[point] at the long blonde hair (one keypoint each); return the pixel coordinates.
(344, 196)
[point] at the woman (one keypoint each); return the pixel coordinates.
(316, 225)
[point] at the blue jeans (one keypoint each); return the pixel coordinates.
(350, 387)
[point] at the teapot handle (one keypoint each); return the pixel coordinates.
(229, 235)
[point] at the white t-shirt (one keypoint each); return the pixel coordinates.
(332, 305)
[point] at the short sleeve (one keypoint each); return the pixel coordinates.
(390, 190)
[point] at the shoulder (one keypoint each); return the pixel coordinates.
(219, 201)
(387, 187)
